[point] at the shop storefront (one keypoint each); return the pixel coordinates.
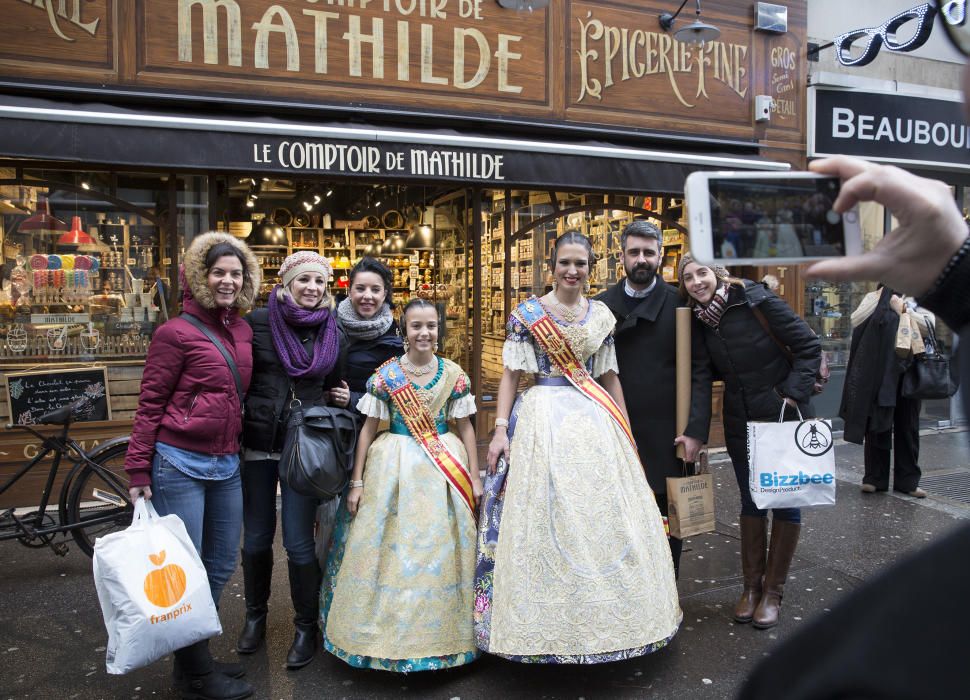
(455, 139)
(923, 134)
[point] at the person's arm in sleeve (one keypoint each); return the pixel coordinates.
(805, 347)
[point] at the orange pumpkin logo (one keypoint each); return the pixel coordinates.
(164, 586)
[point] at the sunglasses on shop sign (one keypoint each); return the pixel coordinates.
(906, 31)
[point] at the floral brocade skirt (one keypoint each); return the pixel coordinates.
(573, 563)
(397, 590)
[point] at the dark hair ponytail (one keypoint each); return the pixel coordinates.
(577, 237)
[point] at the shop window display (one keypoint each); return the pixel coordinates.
(86, 277)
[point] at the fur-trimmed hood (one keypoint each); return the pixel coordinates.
(194, 273)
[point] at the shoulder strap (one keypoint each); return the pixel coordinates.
(759, 314)
(220, 347)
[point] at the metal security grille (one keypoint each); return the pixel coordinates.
(954, 486)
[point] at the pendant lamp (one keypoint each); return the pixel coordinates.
(265, 234)
(421, 236)
(42, 222)
(76, 236)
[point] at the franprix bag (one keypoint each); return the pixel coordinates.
(318, 452)
(690, 504)
(153, 590)
(930, 376)
(792, 465)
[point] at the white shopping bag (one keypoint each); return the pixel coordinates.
(792, 464)
(153, 590)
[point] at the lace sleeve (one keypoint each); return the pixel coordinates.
(374, 402)
(605, 358)
(463, 407)
(519, 350)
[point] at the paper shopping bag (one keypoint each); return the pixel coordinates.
(153, 590)
(690, 505)
(792, 465)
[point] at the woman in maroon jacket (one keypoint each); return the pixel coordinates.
(184, 449)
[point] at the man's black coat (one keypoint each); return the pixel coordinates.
(646, 344)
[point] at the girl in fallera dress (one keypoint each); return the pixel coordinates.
(398, 592)
(573, 564)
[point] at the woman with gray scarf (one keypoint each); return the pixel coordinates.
(368, 327)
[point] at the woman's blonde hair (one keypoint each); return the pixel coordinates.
(282, 293)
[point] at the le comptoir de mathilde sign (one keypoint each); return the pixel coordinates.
(363, 159)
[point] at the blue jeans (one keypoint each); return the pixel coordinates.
(212, 512)
(299, 513)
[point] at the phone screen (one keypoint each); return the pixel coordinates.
(775, 218)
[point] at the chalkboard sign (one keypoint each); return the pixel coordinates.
(32, 394)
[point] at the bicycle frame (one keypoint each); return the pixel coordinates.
(60, 445)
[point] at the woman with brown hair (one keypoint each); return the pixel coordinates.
(738, 333)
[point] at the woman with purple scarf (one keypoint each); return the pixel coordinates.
(296, 355)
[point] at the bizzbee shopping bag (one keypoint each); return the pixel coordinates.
(792, 465)
(153, 590)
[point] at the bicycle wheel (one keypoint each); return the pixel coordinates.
(101, 496)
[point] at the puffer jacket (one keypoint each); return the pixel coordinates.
(268, 399)
(756, 372)
(188, 396)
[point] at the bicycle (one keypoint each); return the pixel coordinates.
(94, 497)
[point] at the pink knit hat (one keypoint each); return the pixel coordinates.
(304, 261)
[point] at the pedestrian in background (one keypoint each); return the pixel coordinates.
(873, 406)
(398, 592)
(738, 333)
(184, 448)
(644, 307)
(573, 563)
(296, 353)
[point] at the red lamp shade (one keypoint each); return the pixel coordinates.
(42, 222)
(76, 236)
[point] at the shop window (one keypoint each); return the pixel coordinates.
(88, 268)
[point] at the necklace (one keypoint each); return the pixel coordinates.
(419, 371)
(569, 314)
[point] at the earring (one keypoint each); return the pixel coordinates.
(586, 286)
(435, 348)
(555, 285)
(404, 341)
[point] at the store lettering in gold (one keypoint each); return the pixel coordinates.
(611, 54)
(362, 38)
(67, 10)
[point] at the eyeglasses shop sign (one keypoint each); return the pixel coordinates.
(889, 127)
(367, 160)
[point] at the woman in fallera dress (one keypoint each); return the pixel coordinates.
(398, 589)
(573, 563)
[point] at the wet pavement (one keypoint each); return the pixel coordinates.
(52, 635)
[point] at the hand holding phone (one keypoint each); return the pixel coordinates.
(755, 218)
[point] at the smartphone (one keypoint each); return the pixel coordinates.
(753, 218)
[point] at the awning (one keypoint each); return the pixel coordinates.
(114, 135)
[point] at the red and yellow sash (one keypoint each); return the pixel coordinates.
(551, 340)
(421, 424)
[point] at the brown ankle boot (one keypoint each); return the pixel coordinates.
(754, 542)
(784, 539)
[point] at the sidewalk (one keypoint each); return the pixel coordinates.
(52, 637)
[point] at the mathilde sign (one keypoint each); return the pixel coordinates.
(583, 62)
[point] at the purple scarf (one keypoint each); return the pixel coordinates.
(287, 315)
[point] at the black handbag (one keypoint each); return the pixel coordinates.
(930, 376)
(318, 451)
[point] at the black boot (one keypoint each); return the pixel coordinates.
(305, 591)
(257, 576)
(226, 668)
(199, 681)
